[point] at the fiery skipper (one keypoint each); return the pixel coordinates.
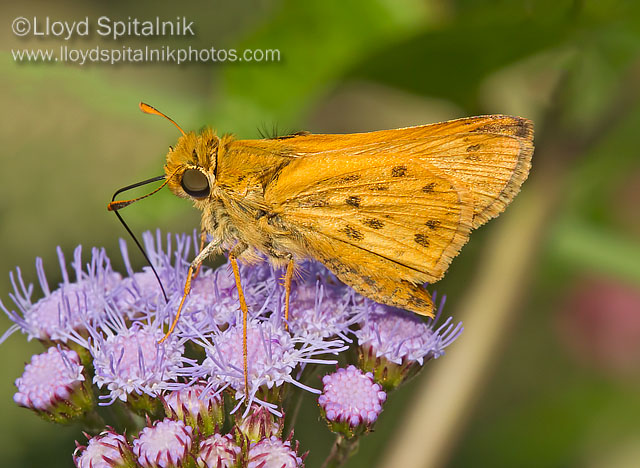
(385, 211)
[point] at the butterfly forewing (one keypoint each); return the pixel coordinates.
(490, 155)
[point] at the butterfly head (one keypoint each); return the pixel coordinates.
(191, 165)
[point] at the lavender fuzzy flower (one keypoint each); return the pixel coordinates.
(213, 300)
(68, 308)
(351, 401)
(394, 343)
(195, 377)
(321, 306)
(54, 386)
(273, 354)
(129, 360)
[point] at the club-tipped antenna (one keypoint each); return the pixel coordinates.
(147, 109)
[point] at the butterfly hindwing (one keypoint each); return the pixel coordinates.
(387, 219)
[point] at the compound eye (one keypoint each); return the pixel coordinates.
(195, 183)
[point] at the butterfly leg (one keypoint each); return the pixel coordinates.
(195, 265)
(233, 255)
(203, 239)
(287, 291)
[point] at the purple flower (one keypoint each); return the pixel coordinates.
(213, 300)
(274, 453)
(173, 257)
(218, 451)
(273, 354)
(165, 444)
(107, 450)
(140, 291)
(394, 343)
(129, 360)
(351, 399)
(53, 385)
(68, 308)
(398, 335)
(321, 306)
(258, 282)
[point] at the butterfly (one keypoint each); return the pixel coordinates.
(385, 211)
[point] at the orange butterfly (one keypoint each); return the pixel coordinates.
(385, 211)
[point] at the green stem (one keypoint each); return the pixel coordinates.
(294, 399)
(125, 419)
(341, 451)
(92, 422)
(291, 420)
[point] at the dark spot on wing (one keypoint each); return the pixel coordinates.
(379, 188)
(352, 233)
(421, 239)
(473, 148)
(373, 223)
(315, 201)
(429, 187)
(418, 301)
(353, 201)
(369, 281)
(517, 127)
(492, 128)
(432, 224)
(399, 171)
(350, 178)
(338, 267)
(523, 129)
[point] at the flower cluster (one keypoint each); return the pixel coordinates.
(104, 335)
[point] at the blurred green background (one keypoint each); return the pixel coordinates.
(552, 374)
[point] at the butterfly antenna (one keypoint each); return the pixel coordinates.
(147, 109)
(116, 205)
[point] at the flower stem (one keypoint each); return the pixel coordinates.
(293, 399)
(341, 451)
(125, 419)
(296, 402)
(92, 422)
